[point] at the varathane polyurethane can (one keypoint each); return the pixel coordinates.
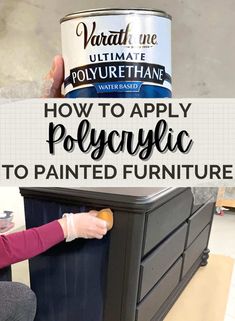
(122, 53)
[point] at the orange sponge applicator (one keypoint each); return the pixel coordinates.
(107, 215)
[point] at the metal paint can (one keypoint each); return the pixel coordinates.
(115, 53)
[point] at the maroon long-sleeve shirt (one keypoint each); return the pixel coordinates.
(23, 245)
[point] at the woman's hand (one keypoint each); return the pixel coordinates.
(85, 225)
(56, 76)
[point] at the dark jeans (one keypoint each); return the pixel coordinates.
(17, 302)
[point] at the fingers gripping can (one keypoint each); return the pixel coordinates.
(117, 53)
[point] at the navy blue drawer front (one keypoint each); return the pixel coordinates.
(158, 262)
(166, 218)
(195, 250)
(69, 279)
(153, 301)
(199, 220)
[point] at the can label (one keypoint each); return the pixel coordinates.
(117, 56)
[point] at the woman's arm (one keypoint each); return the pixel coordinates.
(26, 244)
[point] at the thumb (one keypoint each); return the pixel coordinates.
(56, 77)
(93, 213)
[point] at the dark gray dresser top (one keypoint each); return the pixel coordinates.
(129, 198)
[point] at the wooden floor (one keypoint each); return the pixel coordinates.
(205, 297)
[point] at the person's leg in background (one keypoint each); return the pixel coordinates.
(17, 302)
